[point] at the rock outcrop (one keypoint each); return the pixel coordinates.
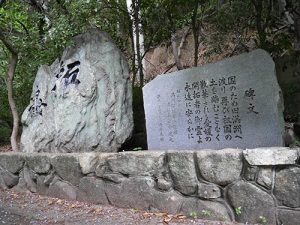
(82, 102)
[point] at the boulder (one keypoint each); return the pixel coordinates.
(271, 156)
(253, 202)
(288, 217)
(38, 163)
(61, 189)
(287, 187)
(7, 179)
(82, 102)
(93, 190)
(265, 177)
(67, 167)
(13, 162)
(141, 163)
(220, 166)
(183, 171)
(208, 191)
(204, 209)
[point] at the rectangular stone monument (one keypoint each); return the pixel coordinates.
(234, 103)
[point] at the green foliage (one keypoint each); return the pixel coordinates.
(263, 220)
(193, 214)
(206, 213)
(238, 211)
(41, 33)
(4, 134)
(137, 149)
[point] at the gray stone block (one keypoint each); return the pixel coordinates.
(136, 163)
(40, 163)
(287, 187)
(140, 193)
(183, 171)
(61, 189)
(289, 217)
(41, 187)
(204, 209)
(67, 167)
(136, 192)
(7, 179)
(253, 203)
(164, 184)
(88, 162)
(13, 162)
(93, 190)
(208, 191)
(250, 172)
(30, 178)
(228, 104)
(82, 102)
(114, 177)
(220, 166)
(265, 177)
(271, 156)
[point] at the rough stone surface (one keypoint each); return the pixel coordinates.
(164, 184)
(169, 201)
(88, 162)
(228, 104)
(67, 167)
(63, 190)
(7, 179)
(40, 185)
(287, 187)
(208, 191)
(13, 162)
(289, 217)
(250, 172)
(82, 102)
(139, 192)
(172, 182)
(204, 209)
(29, 178)
(38, 163)
(93, 190)
(265, 177)
(114, 177)
(183, 172)
(220, 166)
(253, 201)
(137, 163)
(133, 193)
(271, 156)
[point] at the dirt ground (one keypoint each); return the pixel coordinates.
(27, 208)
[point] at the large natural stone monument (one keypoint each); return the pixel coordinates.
(82, 102)
(234, 103)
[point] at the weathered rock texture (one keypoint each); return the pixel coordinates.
(82, 102)
(218, 185)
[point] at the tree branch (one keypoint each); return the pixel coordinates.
(7, 44)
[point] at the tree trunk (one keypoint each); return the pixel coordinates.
(9, 82)
(195, 28)
(258, 5)
(175, 52)
(297, 20)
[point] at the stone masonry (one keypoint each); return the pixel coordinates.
(254, 185)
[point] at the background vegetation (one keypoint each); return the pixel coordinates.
(39, 30)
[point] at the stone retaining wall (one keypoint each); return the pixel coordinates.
(255, 185)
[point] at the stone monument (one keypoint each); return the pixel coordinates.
(233, 103)
(82, 102)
